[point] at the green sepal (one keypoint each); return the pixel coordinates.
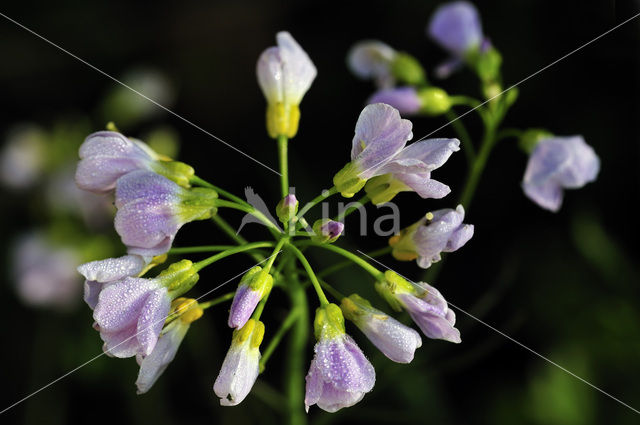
(179, 277)
(352, 307)
(434, 101)
(347, 181)
(257, 280)
(384, 188)
(393, 284)
(530, 138)
(198, 203)
(329, 322)
(406, 69)
(286, 213)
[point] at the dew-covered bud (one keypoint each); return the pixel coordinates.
(254, 285)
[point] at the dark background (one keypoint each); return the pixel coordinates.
(564, 284)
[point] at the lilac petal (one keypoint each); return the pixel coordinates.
(456, 27)
(404, 99)
(122, 343)
(143, 184)
(314, 386)
(432, 319)
(244, 303)
(147, 225)
(435, 236)
(424, 185)
(433, 152)
(380, 134)
(152, 318)
(112, 269)
(371, 59)
(448, 67)
(92, 291)
(395, 340)
(298, 70)
(459, 237)
(119, 305)
(334, 399)
(239, 372)
(153, 365)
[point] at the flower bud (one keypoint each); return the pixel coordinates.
(434, 100)
(179, 277)
(287, 208)
(327, 230)
(406, 69)
(254, 285)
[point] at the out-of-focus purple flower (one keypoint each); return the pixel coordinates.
(340, 375)
(327, 230)
(253, 286)
(153, 365)
(285, 73)
(152, 208)
(424, 303)
(410, 170)
(131, 312)
(396, 341)
(440, 231)
(44, 273)
(23, 157)
(372, 59)
(241, 365)
(102, 272)
(456, 27)
(404, 99)
(556, 164)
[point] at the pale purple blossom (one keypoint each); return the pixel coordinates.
(340, 375)
(327, 230)
(241, 365)
(372, 59)
(556, 164)
(102, 272)
(456, 27)
(252, 288)
(404, 99)
(106, 156)
(396, 341)
(429, 310)
(152, 208)
(285, 72)
(440, 231)
(23, 157)
(130, 314)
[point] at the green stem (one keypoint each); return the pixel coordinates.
(488, 141)
(333, 291)
(216, 301)
(275, 341)
(208, 261)
(201, 182)
(351, 256)
(267, 268)
(203, 248)
(324, 195)
(221, 203)
(314, 280)
(360, 202)
(226, 228)
(284, 164)
(463, 134)
(296, 359)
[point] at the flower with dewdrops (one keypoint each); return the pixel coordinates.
(106, 156)
(396, 341)
(424, 303)
(152, 208)
(438, 231)
(340, 375)
(131, 312)
(254, 286)
(558, 163)
(186, 311)
(285, 73)
(241, 365)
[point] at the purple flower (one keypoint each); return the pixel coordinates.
(102, 272)
(152, 208)
(424, 303)
(410, 170)
(404, 99)
(252, 288)
(285, 73)
(241, 365)
(396, 341)
(440, 231)
(106, 156)
(23, 157)
(130, 314)
(44, 273)
(327, 230)
(456, 27)
(372, 59)
(153, 365)
(340, 375)
(559, 163)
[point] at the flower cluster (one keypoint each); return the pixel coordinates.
(148, 317)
